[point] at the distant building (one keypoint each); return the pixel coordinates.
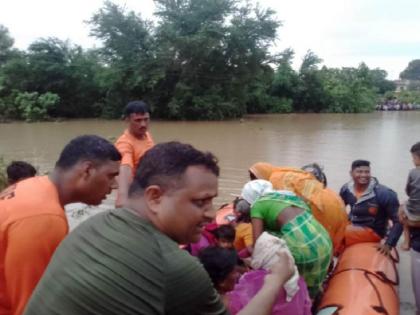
(404, 85)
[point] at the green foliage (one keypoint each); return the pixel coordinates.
(211, 47)
(407, 97)
(382, 85)
(201, 59)
(412, 72)
(3, 175)
(35, 107)
(346, 90)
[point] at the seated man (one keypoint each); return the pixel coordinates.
(371, 206)
(128, 261)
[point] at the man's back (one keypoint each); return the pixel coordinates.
(32, 224)
(117, 263)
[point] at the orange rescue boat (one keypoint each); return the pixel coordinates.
(363, 283)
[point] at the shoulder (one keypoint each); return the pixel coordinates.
(188, 287)
(178, 260)
(382, 189)
(414, 173)
(53, 228)
(32, 197)
(244, 226)
(385, 193)
(345, 188)
(125, 138)
(149, 136)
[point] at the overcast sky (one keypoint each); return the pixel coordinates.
(382, 33)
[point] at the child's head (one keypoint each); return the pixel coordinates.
(242, 210)
(19, 170)
(220, 264)
(225, 236)
(415, 153)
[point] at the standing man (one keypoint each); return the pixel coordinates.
(371, 206)
(127, 261)
(32, 217)
(132, 145)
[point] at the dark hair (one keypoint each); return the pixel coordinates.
(136, 107)
(415, 149)
(167, 162)
(218, 262)
(88, 147)
(358, 163)
(252, 175)
(18, 170)
(225, 232)
(316, 170)
(244, 208)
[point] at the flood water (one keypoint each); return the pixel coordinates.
(332, 140)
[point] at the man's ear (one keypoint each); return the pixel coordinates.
(85, 169)
(153, 196)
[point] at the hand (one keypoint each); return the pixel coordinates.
(385, 249)
(282, 270)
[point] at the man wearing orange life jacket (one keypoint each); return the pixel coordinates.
(32, 217)
(132, 145)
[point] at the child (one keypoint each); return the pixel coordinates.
(410, 217)
(225, 236)
(412, 207)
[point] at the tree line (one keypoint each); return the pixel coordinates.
(199, 60)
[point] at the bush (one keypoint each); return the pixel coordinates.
(35, 107)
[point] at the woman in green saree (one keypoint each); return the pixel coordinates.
(285, 215)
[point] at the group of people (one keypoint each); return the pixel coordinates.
(295, 205)
(139, 257)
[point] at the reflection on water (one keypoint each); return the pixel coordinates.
(333, 140)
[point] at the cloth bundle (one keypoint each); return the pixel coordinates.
(265, 256)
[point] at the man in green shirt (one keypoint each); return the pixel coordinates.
(127, 261)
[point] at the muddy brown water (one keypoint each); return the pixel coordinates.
(333, 140)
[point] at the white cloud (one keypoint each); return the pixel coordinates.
(382, 33)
